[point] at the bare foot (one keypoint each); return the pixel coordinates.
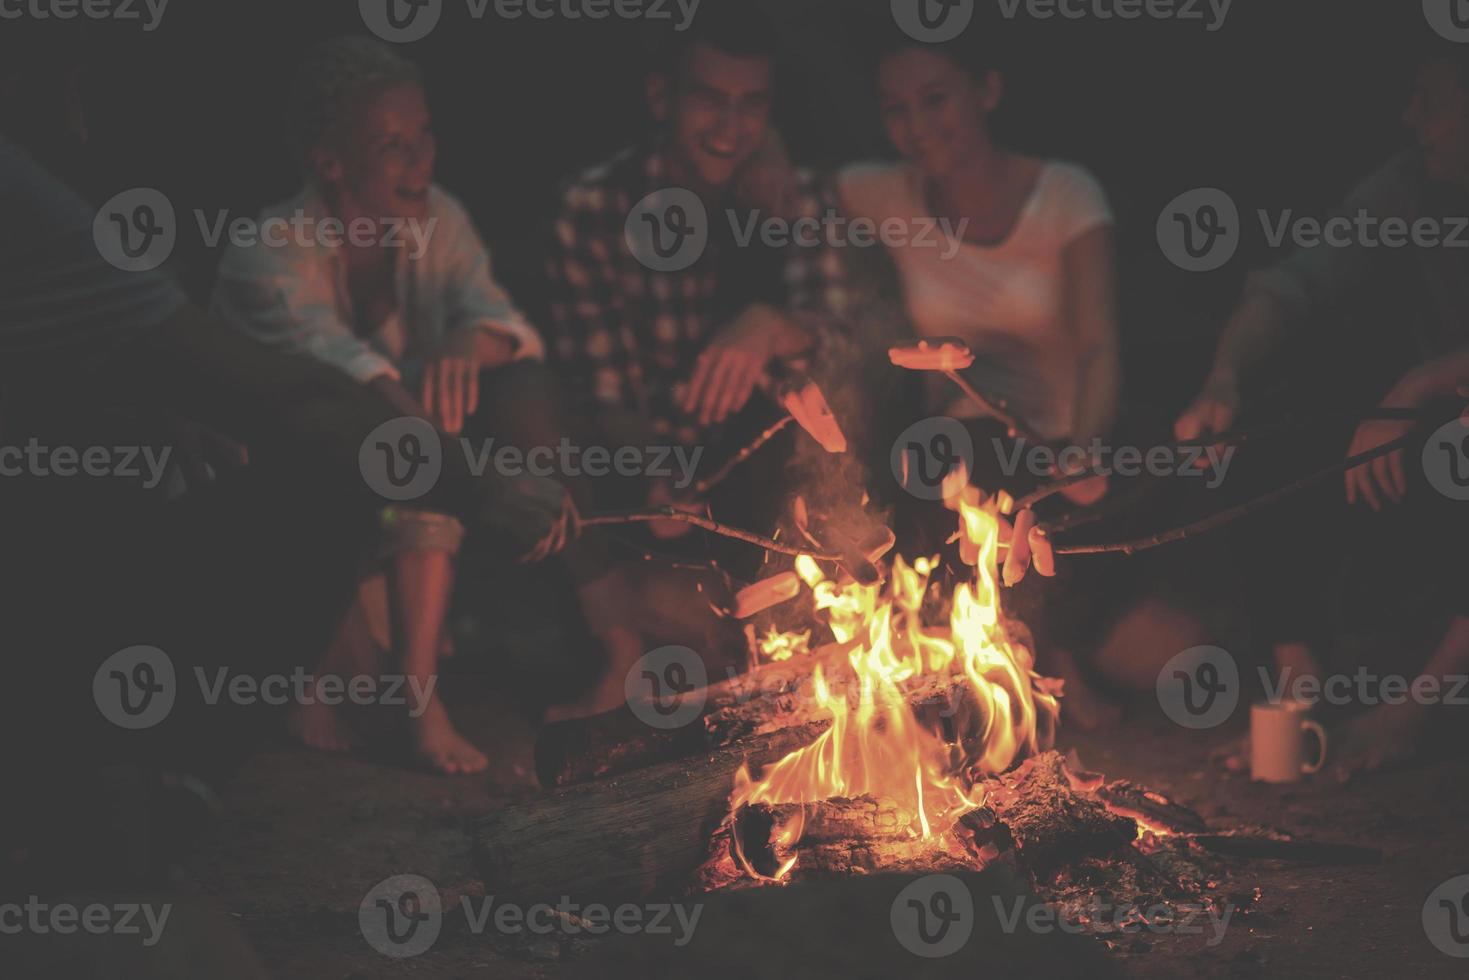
(439, 746)
(1083, 707)
(322, 727)
(623, 648)
(1384, 737)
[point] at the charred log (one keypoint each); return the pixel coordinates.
(624, 838)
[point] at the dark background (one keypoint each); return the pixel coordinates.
(1287, 106)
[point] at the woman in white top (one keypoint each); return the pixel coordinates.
(1029, 286)
(1023, 274)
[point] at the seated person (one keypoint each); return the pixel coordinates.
(92, 570)
(1430, 308)
(1029, 285)
(673, 358)
(410, 310)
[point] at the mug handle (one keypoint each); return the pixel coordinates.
(1307, 725)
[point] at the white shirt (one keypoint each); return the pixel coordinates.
(1007, 301)
(295, 295)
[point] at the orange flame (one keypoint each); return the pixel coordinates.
(988, 700)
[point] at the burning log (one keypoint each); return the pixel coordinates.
(1035, 813)
(1050, 823)
(759, 701)
(831, 821)
(768, 699)
(838, 836)
(1152, 810)
(619, 839)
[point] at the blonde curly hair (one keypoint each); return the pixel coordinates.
(337, 79)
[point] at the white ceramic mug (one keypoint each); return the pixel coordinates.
(1277, 750)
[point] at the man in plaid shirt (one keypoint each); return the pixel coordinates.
(677, 347)
(668, 307)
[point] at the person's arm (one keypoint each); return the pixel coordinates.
(1386, 478)
(727, 372)
(478, 306)
(193, 366)
(484, 328)
(1444, 377)
(286, 298)
(1253, 332)
(1092, 293)
(1281, 298)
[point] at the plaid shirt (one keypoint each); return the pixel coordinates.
(629, 336)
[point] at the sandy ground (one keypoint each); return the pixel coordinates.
(306, 836)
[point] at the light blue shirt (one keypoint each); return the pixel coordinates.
(293, 293)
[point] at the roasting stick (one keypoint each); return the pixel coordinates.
(808, 408)
(1015, 428)
(720, 475)
(948, 357)
(1227, 440)
(1237, 512)
(708, 524)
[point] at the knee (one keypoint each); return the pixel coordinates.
(522, 389)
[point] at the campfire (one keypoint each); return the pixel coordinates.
(920, 710)
(900, 728)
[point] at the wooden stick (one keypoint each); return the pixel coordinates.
(708, 524)
(997, 410)
(1235, 513)
(720, 475)
(1228, 439)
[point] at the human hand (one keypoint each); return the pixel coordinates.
(661, 495)
(727, 372)
(1384, 477)
(1089, 491)
(450, 392)
(1213, 412)
(1385, 474)
(534, 515)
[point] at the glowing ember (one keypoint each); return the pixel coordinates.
(995, 709)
